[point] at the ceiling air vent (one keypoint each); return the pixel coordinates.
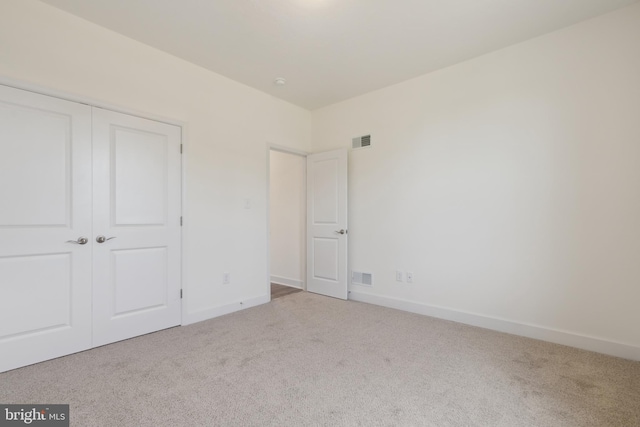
(361, 141)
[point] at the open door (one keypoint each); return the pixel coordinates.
(327, 223)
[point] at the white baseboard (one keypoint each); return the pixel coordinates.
(567, 338)
(287, 282)
(210, 313)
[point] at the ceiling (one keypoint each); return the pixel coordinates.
(331, 50)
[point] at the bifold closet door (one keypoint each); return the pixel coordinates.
(45, 227)
(136, 222)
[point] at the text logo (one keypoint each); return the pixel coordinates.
(34, 415)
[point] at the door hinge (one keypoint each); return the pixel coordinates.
(180, 293)
(180, 221)
(180, 148)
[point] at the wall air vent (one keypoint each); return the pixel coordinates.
(361, 141)
(363, 279)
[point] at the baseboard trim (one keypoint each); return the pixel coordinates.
(210, 313)
(556, 336)
(299, 284)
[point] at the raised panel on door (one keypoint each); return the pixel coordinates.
(45, 196)
(137, 208)
(327, 223)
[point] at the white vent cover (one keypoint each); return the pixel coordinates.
(361, 141)
(360, 278)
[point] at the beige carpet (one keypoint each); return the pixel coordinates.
(307, 360)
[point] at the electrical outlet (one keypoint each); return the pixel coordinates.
(409, 277)
(226, 278)
(398, 276)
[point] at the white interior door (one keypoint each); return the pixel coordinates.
(136, 198)
(45, 206)
(327, 223)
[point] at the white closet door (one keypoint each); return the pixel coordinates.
(136, 200)
(45, 206)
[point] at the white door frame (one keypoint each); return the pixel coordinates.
(32, 87)
(303, 154)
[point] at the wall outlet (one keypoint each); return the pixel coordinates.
(226, 278)
(409, 276)
(398, 276)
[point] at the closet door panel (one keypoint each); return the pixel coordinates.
(45, 207)
(137, 211)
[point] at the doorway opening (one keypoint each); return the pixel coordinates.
(287, 222)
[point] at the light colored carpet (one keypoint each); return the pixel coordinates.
(307, 360)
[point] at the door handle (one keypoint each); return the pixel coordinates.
(102, 239)
(341, 231)
(80, 241)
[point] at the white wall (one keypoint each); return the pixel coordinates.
(287, 218)
(228, 124)
(509, 185)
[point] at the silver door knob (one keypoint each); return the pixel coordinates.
(102, 239)
(341, 231)
(80, 241)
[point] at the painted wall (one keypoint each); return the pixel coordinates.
(228, 125)
(287, 200)
(509, 185)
